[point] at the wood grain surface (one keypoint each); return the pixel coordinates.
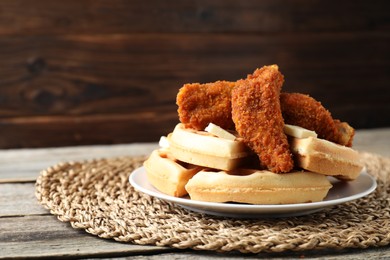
(160, 16)
(102, 72)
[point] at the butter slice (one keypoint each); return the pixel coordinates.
(298, 132)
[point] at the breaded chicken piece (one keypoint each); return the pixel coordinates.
(201, 104)
(345, 133)
(258, 117)
(303, 110)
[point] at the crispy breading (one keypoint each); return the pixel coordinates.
(258, 117)
(201, 104)
(345, 133)
(305, 111)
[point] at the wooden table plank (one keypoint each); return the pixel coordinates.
(24, 165)
(18, 199)
(349, 254)
(45, 236)
(373, 141)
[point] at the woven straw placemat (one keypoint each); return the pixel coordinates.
(96, 196)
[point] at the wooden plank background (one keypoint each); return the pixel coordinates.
(101, 72)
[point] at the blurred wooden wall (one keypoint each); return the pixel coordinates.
(100, 72)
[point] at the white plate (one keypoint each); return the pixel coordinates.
(341, 192)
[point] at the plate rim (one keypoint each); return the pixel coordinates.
(219, 205)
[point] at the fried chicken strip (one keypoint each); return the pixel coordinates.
(201, 104)
(305, 111)
(257, 115)
(345, 133)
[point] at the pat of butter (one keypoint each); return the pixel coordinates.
(163, 143)
(220, 132)
(298, 132)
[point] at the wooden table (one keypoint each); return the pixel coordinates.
(27, 230)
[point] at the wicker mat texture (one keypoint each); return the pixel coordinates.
(96, 196)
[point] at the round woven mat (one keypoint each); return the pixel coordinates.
(96, 196)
